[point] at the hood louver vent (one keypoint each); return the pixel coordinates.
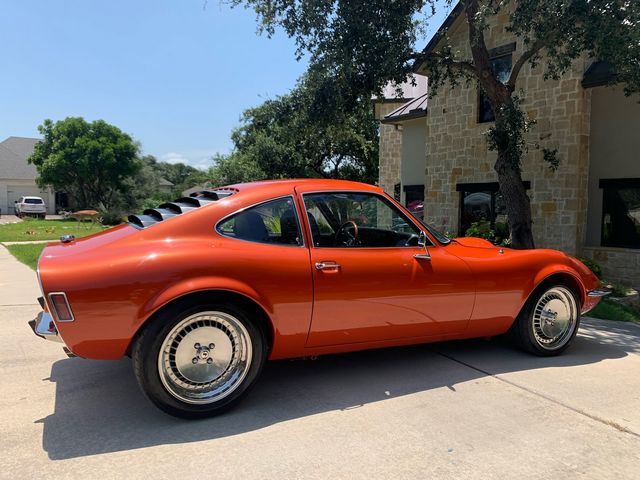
(182, 205)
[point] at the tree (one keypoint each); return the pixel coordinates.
(364, 44)
(233, 168)
(307, 133)
(91, 161)
(181, 175)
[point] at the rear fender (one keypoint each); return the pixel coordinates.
(200, 284)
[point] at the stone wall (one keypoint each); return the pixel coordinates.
(618, 264)
(390, 149)
(457, 151)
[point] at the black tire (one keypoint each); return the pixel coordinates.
(528, 330)
(160, 379)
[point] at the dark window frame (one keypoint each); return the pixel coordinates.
(615, 184)
(494, 54)
(492, 187)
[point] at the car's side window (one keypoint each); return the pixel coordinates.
(275, 221)
(355, 219)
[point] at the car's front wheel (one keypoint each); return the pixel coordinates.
(199, 361)
(549, 320)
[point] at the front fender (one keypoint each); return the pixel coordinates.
(555, 269)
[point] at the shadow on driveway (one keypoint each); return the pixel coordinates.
(99, 408)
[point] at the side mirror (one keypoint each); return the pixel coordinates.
(422, 242)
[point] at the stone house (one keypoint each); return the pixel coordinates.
(433, 155)
(18, 177)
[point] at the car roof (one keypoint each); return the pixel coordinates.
(307, 183)
(30, 196)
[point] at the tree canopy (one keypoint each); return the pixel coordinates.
(296, 135)
(365, 44)
(90, 160)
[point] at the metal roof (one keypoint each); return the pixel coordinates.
(415, 108)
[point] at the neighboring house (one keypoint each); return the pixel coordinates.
(165, 186)
(589, 207)
(194, 189)
(18, 177)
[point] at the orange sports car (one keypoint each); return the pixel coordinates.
(201, 291)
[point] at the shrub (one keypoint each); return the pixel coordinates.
(157, 199)
(481, 230)
(112, 216)
(593, 266)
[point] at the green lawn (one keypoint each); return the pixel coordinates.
(609, 309)
(32, 229)
(27, 253)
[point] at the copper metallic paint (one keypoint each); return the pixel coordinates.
(117, 279)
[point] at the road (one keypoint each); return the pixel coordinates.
(473, 409)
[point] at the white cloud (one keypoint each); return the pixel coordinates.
(173, 157)
(200, 159)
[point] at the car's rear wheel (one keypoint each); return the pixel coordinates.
(549, 321)
(199, 361)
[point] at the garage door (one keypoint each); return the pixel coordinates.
(14, 192)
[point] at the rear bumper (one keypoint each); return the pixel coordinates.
(44, 327)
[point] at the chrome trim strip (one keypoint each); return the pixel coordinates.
(73, 318)
(295, 206)
(599, 292)
(41, 328)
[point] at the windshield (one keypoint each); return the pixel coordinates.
(36, 201)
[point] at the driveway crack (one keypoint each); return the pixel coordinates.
(604, 421)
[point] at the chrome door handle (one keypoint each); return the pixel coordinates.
(422, 256)
(327, 266)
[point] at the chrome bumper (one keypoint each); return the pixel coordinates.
(599, 292)
(44, 327)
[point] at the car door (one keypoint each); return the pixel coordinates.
(372, 281)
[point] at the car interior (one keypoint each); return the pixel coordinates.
(337, 220)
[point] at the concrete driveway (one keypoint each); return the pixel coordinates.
(472, 409)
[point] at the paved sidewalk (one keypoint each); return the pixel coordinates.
(18, 283)
(9, 219)
(4, 218)
(26, 242)
(464, 410)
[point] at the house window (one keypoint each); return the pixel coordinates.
(482, 203)
(501, 67)
(414, 199)
(621, 212)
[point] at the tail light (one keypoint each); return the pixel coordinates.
(60, 305)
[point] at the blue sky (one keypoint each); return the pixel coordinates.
(174, 75)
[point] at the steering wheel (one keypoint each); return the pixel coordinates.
(347, 234)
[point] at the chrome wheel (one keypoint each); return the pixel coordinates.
(555, 318)
(205, 357)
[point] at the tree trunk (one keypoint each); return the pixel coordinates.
(499, 95)
(516, 201)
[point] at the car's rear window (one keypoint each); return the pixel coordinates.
(33, 200)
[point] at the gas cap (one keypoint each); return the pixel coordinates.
(67, 238)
